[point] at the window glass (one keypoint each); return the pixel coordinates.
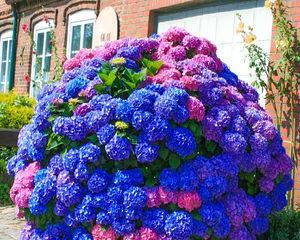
(40, 43)
(80, 31)
(41, 61)
(5, 54)
(76, 34)
(88, 35)
(48, 43)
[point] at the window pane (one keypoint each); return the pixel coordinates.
(3, 72)
(48, 43)
(47, 64)
(4, 50)
(9, 55)
(40, 44)
(38, 68)
(75, 46)
(88, 35)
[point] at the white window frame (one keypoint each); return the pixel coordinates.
(40, 27)
(79, 18)
(5, 36)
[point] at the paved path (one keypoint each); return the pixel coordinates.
(10, 227)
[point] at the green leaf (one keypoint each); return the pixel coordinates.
(164, 153)
(152, 66)
(100, 88)
(210, 146)
(174, 161)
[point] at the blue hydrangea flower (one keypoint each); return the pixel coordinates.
(263, 204)
(200, 229)
(118, 148)
(132, 177)
(81, 234)
(158, 129)
(169, 179)
(106, 133)
(69, 194)
(179, 95)
(179, 225)
(182, 141)
(84, 213)
(98, 101)
(222, 229)
(132, 52)
(71, 159)
(259, 225)
(233, 142)
(142, 100)
(75, 86)
(135, 197)
(81, 172)
(103, 218)
(188, 178)
(124, 112)
(96, 119)
(123, 226)
(216, 185)
(155, 219)
(89, 153)
(146, 153)
(212, 213)
(166, 106)
(98, 181)
(141, 119)
(55, 165)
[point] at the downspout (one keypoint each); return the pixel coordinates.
(13, 51)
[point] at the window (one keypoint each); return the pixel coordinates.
(41, 59)
(80, 31)
(5, 54)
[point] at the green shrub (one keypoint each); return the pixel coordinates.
(285, 225)
(5, 180)
(15, 110)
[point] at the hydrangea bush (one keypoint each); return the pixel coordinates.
(149, 139)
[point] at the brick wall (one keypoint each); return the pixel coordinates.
(136, 19)
(294, 14)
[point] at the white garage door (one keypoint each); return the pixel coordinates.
(218, 24)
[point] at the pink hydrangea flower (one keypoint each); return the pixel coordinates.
(167, 196)
(165, 74)
(71, 64)
(23, 185)
(175, 35)
(196, 109)
(148, 234)
(207, 61)
(177, 53)
(132, 236)
(206, 47)
(189, 200)
(84, 54)
(100, 233)
(191, 42)
(190, 83)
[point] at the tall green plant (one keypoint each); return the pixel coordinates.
(278, 77)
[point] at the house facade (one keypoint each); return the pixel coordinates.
(88, 23)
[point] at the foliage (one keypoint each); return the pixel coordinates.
(279, 77)
(285, 225)
(5, 181)
(15, 110)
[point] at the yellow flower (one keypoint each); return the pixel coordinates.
(268, 4)
(73, 100)
(249, 38)
(121, 125)
(118, 61)
(240, 27)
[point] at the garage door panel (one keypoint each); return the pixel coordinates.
(225, 25)
(218, 23)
